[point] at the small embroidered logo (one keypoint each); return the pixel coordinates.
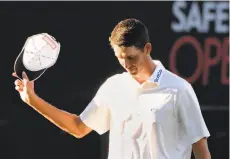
(158, 75)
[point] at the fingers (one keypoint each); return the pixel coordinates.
(18, 82)
(24, 76)
(14, 74)
(19, 88)
(18, 85)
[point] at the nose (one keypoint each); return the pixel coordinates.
(126, 63)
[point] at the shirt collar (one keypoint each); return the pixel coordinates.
(155, 78)
(157, 74)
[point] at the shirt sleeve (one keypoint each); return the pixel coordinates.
(191, 117)
(97, 114)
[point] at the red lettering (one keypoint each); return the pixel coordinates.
(225, 62)
(208, 61)
(205, 60)
(172, 57)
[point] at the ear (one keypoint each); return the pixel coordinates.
(148, 48)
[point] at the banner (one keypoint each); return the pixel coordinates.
(204, 28)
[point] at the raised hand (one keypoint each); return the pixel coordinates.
(25, 87)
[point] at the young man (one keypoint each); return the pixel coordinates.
(150, 112)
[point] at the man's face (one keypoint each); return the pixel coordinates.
(132, 59)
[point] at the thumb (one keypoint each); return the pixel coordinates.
(25, 78)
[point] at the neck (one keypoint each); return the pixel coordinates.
(147, 72)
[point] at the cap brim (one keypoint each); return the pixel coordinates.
(19, 68)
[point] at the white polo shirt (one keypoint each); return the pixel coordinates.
(159, 119)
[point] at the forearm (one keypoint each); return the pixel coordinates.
(200, 149)
(202, 155)
(62, 119)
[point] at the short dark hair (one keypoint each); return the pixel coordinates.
(129, 32)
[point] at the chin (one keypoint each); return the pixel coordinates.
(134, 74)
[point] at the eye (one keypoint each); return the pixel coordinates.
(131, 57)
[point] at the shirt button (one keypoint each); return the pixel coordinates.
(153, 109)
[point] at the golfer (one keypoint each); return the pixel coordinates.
(150, 112)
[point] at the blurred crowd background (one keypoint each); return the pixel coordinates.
(191, 39)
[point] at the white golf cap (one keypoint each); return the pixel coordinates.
(39, 53)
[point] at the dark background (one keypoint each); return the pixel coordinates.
(85, 61)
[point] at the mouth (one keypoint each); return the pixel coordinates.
(132, 70)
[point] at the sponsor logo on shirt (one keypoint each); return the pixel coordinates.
(158, 75)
